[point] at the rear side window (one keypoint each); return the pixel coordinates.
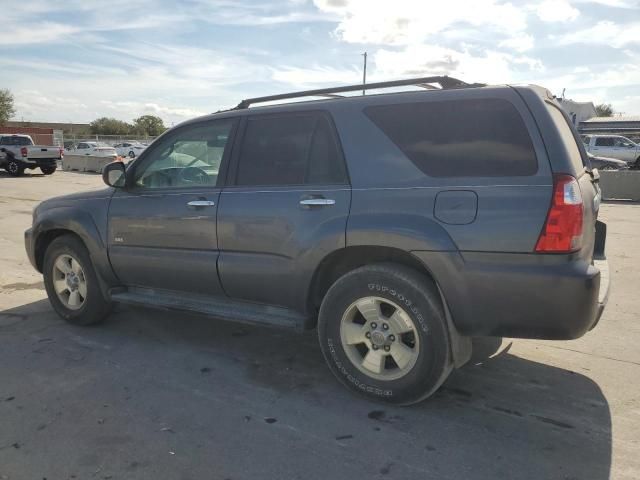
(605, 142)
(460, 138)
(293, 149)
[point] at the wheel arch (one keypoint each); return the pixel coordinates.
(340, 262)
(56, 222)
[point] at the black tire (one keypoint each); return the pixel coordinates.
(95, 307)
(14, 167)
(419, 297)
(637, 164)
(132, 154)
(48, 170)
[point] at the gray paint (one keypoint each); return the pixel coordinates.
(259, 245)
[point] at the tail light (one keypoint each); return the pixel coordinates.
(562, 231)
(61, 153)
(24, 151)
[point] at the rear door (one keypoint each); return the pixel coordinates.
(285, 209)
(162, 229)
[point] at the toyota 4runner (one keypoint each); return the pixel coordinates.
(398, 224)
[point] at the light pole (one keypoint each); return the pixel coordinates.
(364, 73)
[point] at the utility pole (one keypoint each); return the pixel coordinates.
(364, 73)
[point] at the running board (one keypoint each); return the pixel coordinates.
(222, 308)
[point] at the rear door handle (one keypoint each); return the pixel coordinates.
(317, 202)
(201, 203)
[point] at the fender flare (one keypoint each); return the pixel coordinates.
(81, 223)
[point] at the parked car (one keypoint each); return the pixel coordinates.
(97, 149)
(18, 153)
(613, 146)
(128, 149)
(604, 163)
(399, 225)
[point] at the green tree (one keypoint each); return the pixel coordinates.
(604, 110)
(110, 126)
(149, 125)
(6, 106)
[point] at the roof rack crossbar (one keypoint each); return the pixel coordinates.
(445, 82)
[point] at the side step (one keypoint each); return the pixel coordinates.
(222, 308)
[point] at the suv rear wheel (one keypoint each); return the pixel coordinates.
(48, 170)
(71, 282)
(382, 331)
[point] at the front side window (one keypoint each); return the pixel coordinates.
(291, 149)
(459, 138)
(188, 157)
(623, 142)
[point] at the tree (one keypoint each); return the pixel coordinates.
(110, 126)
(604, 110)
(6, 106)
(149, 125)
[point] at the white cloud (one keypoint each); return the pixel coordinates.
(556, 11)
(603, 33)
(43, 32)
(407, 22)
(488, 67)
(520, 43)
(315, 75)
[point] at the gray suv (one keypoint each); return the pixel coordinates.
(399, 225)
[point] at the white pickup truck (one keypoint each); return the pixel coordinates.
(613, 146)
(17, 153)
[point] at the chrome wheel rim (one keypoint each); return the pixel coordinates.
(379, 338)
(69, 281)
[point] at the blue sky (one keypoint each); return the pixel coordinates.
(76, 60)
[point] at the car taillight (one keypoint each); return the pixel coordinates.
(24, 151)
(61, 152)
(562, 231)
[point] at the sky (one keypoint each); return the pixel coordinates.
(77, 60)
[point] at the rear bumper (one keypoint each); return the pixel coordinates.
(605, 281)
(520, 295)
(39, 162)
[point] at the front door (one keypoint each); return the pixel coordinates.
(286, 207)
(162, 228)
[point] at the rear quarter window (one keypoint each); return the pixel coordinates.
(460, 138)
(569, 137)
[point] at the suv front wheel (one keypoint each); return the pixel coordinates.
(382, 331)
(71, 282)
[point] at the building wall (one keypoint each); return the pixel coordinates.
(40, 136)
(578, 111)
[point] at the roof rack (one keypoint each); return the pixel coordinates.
(445, 82)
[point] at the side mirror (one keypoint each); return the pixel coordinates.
(113, 174)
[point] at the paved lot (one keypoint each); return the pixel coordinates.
(164, 395)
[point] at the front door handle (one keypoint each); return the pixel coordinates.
(317, 202)
(201, 203)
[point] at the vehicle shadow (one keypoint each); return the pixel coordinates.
(500, 416)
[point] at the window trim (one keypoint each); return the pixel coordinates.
(224, 162)
(232, 176)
